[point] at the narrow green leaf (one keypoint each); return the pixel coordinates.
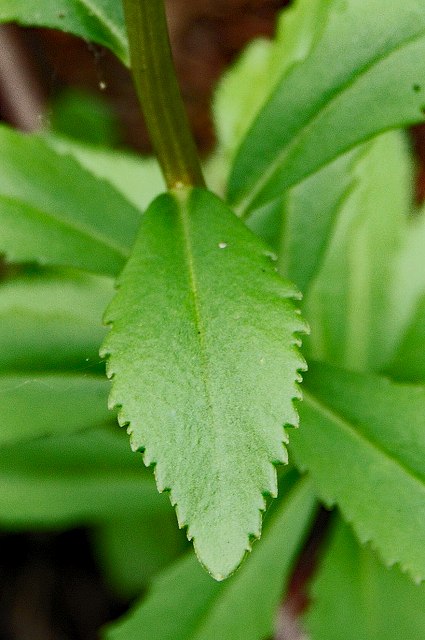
(249, 83)
(138, 179)
(44, 404)
(204, 359)
(363, 441)
(99, 21)
(349, 305)
(185, 604)
(309, 214)
(408, 362)
(52, 322)
(378, 603)
(83, 478)
(371, 53)
(131, 551)
(54, 212)
(408, 283)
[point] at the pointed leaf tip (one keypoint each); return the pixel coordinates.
(204, 357)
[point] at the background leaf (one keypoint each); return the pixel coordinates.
(248, 84)
(54, 212)
(100, 21)
(408, 361)
(137, 178)
(204, 360)
(48, 403)
(185, 603)
(133, 549)
(52, 322)
(349, 305)
(79, 479)
(309, 214)
(363, 441)
(359, 61)
(378, 603)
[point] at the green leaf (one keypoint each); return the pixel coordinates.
(408, 283)
(54, 212)
(43, 404)
(408, 362)
(83, 116)
(363, 441)
(185, 604)
(52, 322)
(313, 205)
(100, 21)
(349, 305)
(378, 603)
(131, 552)
(249, 83)
(370, 53)
(138, 179)
(204, 360)
(83, 478)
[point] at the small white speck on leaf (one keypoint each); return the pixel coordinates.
(102, 85)
(222, 245)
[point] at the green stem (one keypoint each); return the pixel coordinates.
(159, 93)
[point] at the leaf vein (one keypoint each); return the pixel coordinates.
(242, 206)
(340, 420)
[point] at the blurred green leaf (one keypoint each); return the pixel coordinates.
(356, 598)
(133, 549)
(328, 103)
(83, 478)
(52, 322)
(349, 305)
(49, 403)
(54, 212)
(100, 21)
(137, 178)
(362, 439)
(248, 84)
(84, 117)
(185, 603)
(408, 361)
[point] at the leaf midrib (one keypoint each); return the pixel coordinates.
(82, 229)
(337, 418)
(184, 219)
(242, 205)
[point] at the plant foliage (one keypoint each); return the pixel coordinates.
(313, 183)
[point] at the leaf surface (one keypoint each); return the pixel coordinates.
(349, 305)
(379, 603)
(186, 604)
(52, 323)
(54, 212)
(138, 178)
(204, 360)
(77, 479)
(408, 361)
(131, 552)
(370, 54)
(100, 21)
(48, 403)
(363, 441)
(248, 84)
(309, 215)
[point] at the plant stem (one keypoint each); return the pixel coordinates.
(159, 93)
